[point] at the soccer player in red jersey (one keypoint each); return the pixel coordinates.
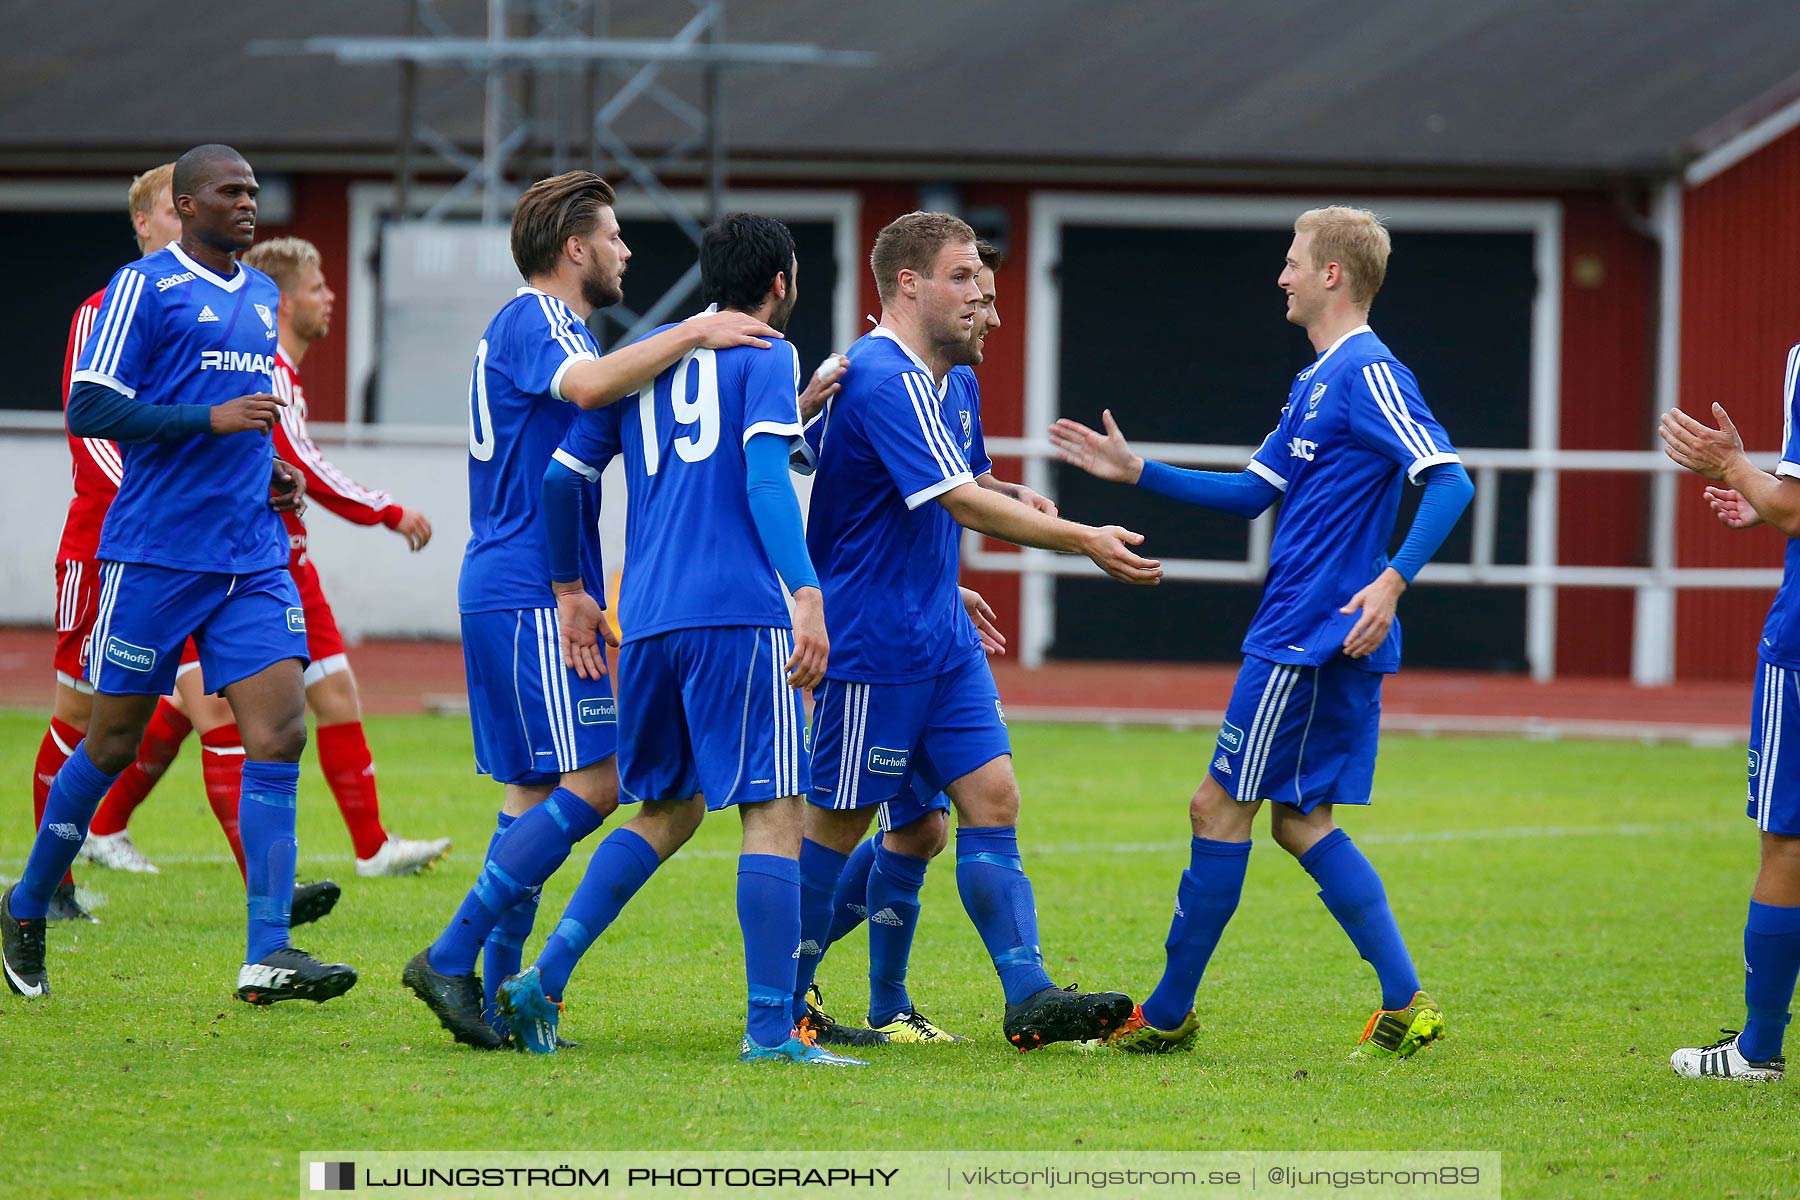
(303, 318)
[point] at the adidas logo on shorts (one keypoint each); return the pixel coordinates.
(1219, 764)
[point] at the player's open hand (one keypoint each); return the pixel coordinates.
(1110, 548)
(1102, 455)
(1705, 451)
(287, 487)
(823, 385)
(1733, 511)
(586, 633)
(414, 528)
(1376, 603)
(992, 640)
(255, 413)
(723, 330)
(1032, 499)
(812, 648)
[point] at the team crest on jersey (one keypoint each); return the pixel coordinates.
(132, 658)
(1231, 738)
(597, 710)
(887, 762)
(268, 318)
(1312, 401)
(968, 426)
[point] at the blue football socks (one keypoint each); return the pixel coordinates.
(1771, 965)
(620, 866)
(523, 857)
(502, 952)
(850, 904)
(77, 792)
(1204, 901)
(893, 919)
(997, 896)
(1352, 891)
(820, 868)
(768, 903)
(266, 826)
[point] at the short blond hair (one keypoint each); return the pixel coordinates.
(144, 192)
(911, 243)
(1356, 240)
(282, 259)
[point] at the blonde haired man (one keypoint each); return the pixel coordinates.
(302, 319)
(1303, 720)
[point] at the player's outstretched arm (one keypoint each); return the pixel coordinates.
(1108, 546)
(1108, 456)
(595, 383)
(1718, 455)
(1019, 492)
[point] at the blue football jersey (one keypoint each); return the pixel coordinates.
(1781, 632)
(1354, 425)
(886, 554)
(517, 418)
(693, 557)
(170, 331)
(962, 413)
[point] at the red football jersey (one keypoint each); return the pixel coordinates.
(95, 467)
(325, 484)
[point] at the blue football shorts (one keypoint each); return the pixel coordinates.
(241, 624)
(872, 740)
(916, 800)
(1301, 736)
(709, 711)
(1774, 776)
(532, 717)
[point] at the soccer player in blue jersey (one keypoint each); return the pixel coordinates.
(541, 729)
(881, 881)
(179, 373)
(1303, 719)
(909, 692)
(711, 665)
(1751, 496)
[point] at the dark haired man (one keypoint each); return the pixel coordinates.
(711, 669)
(190, 547)
(542, 730)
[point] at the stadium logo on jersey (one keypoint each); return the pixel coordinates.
(1302, 448)
(887, 762)
(132, 658)
(1754, 764)
(262, 310)
(207, 314)
(1231, 738)
(1312, 401)
(597, 710)
(236, 360)
(296, 618)
(169, 281)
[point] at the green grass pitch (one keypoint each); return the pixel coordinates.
(1576, 907)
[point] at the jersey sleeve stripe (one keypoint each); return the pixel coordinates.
(110, 318)
(104, 381)
(575, 464)
(115, 344)
(556, 380)
(931, 421)
(1789, 383)
(1399, 396)
(560, 327)
(1422, 465)
(1259, 469)
(1377, 388)
(937, 489)
(784, 428)
(919, 411)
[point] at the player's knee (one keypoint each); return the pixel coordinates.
(278, 740)
(924, 838)
(111, 750)
(1781, 848)
(1213, 813)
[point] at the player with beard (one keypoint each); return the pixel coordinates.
(542, 730)
(882, 880)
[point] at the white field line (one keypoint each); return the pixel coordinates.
(1406, 837)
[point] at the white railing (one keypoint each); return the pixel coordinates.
(1542, 573)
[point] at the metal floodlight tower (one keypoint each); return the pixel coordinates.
(556, 90)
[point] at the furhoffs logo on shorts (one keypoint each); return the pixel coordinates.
(887, 762)
(1231, 738)
(133, 658)
(597, 710)
(296, 618)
